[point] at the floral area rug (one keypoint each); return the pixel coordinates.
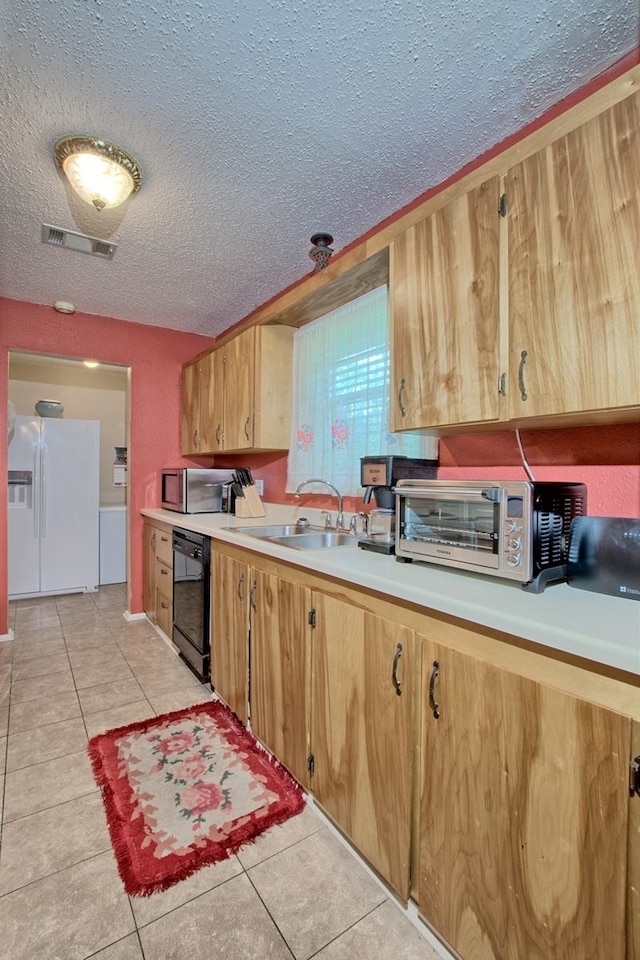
(186, 789)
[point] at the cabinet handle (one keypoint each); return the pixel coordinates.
(218, 433)
(164, 539)
(195, 438)
(165, 573)
(433, 706)
(153, 543)
(403, 384)
(241, 588)
(246, 428)
(523, 360)
(252, 596)
(394, 672)
(502, 385)
(164, 604)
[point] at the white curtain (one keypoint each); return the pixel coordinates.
(340, 402)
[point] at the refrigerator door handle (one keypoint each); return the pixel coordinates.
(43, 492)
(35, 491)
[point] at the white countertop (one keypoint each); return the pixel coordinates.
(590, 625)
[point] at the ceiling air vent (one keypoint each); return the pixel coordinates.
(55, 236)
(78, 242)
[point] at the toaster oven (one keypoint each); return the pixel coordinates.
(517, 530)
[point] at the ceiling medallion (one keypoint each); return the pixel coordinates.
(101, 173)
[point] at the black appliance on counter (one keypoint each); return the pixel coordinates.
(604, 556)
(192, 599)
(379, 475)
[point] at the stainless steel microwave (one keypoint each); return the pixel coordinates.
(193, 490)
(517, 530)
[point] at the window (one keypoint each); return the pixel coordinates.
(341, 396)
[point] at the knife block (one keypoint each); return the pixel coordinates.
(250, 505)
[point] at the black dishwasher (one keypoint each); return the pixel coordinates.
(191, 599)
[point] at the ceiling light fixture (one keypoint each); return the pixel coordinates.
(101, 173)
(62, 306)
(321, 252)
(91, 364)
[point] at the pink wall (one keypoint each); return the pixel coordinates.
(607, 459)
(155, 356)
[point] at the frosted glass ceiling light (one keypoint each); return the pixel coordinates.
(99, 172)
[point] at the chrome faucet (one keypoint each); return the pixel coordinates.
(340, 516)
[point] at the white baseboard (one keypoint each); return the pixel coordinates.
(5, 637)
(134, 616)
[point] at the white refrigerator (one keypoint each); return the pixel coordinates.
(53, 493)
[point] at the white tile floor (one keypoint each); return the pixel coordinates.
(75, 668)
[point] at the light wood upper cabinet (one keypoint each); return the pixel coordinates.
(197, 419)
(280, 655)
(238, 396)
(239, 390)
(574, 277)
(524, 813)
(230, 631)
(190, 409)
(445, 344)
(217, 412)
(361, 731)
(207, 389)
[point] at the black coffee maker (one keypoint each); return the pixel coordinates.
(379, 475)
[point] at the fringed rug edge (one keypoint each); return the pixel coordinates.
(288, 806)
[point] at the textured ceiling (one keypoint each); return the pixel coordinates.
(258, 124)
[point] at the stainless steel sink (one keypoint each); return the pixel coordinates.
(317, 541)
(299, 536)
(276, 530)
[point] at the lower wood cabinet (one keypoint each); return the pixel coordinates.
(164, 580)
(362, 733)
(524, 815)
(149, 533)
(506, 817)
(280, 669)
(230, 632)
(158, 574)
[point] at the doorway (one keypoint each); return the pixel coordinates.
(88, 390)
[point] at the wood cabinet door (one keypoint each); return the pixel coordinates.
(361, 732)
(164, 583)
(149, 569)
(574, 282)
(280, 669)
(445, 345)
(190, 409)
(524, 811)
(633, 885)
(207, 424)
(217, 399)
(239, 374)
(164, 611)
(230, 632)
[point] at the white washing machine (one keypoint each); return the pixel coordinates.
(113, 545)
